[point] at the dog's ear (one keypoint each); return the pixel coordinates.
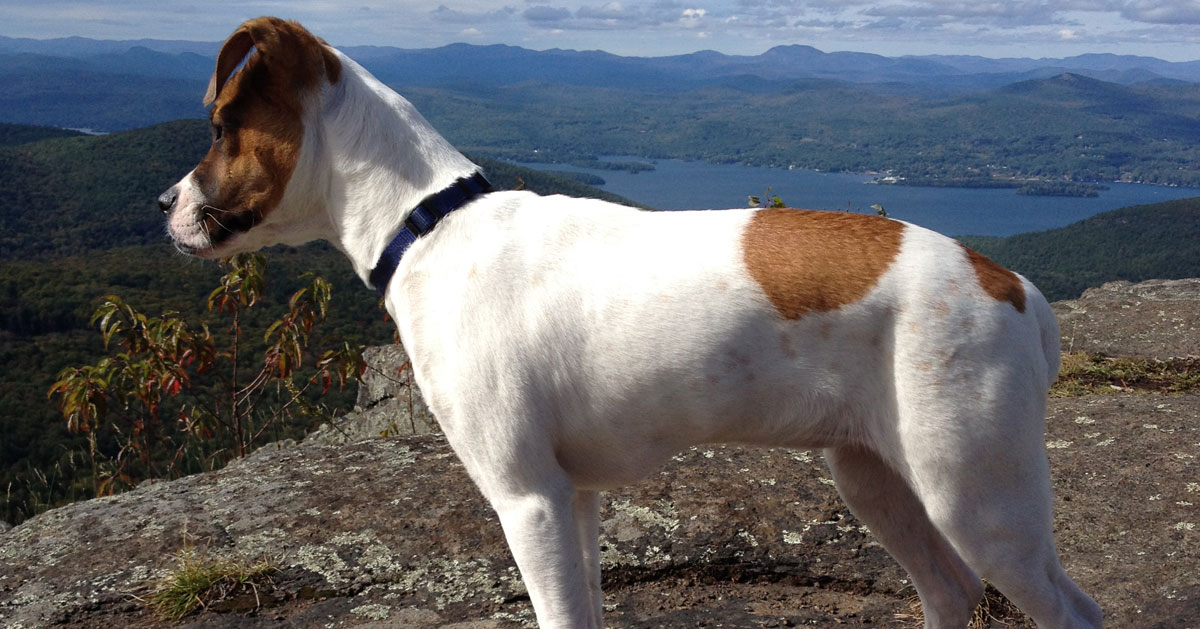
(279, 42)
(232, 53)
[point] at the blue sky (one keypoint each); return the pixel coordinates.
(1168, 29)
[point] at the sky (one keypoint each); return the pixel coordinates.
(1167, 29)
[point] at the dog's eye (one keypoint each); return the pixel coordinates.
(218, 132)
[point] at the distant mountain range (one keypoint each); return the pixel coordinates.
(947, 118)
(506, 65)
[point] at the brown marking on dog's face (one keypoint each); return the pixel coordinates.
(257, 121)
(997, 281)
(808, 261)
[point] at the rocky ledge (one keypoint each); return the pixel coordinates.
(388, 532)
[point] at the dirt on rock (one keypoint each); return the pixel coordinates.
(390, 532)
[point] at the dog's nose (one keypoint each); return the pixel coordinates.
(167, 199)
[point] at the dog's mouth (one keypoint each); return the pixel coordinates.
(213, 228)
(221, 225)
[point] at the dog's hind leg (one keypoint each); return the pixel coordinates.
(985, 483)
(878, 496)
(587, 522)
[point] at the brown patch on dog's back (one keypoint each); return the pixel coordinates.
(807, 261)
(997, 281)
(259, 116)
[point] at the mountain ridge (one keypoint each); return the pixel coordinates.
(798, 61)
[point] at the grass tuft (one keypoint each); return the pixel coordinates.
(198, 581)
(994, 610)
(1084, 374)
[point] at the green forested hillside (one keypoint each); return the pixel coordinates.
(80, 223)
(1069, 127)
(1159, 241)
(14, 134)
(89, 193)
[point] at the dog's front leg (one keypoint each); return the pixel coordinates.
(540, 524)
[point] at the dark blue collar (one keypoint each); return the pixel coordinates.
(422, 220)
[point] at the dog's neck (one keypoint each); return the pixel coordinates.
(384, 159)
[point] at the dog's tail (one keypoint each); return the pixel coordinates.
(1048, 327)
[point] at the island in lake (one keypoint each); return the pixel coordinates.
(1030, 187)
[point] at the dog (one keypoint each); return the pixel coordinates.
(567, 346)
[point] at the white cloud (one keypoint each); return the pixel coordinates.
(1068, 34)
(692, 18)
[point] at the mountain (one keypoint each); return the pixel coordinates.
(16, 134)
(498, 65)
(507, 65)
(81, 93)
(924, 118)
(91, 193)
(1090, 64)
(84, 47)
(1066, 128)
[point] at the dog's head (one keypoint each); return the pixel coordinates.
(235, 200)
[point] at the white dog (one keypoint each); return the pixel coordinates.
(568, 345)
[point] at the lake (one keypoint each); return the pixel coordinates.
(679, 185)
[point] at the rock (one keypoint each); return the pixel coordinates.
(1156, 319)
(391, 531)
(413, 538)
(389, 403)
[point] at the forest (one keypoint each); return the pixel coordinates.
(1068, 128)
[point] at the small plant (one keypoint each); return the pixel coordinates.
(146, 415)
(198, 581)
(123, 396)
(772, 201)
